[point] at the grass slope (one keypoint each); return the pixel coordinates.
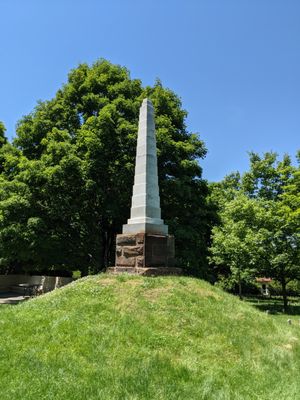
(125, 337)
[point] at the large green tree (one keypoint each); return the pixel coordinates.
(237, 246)
(74, 157)
(259, 229)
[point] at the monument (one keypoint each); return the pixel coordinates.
(145, 247)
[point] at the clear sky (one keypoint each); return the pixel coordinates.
(234, 63)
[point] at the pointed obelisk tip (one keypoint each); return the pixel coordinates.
(147, 102)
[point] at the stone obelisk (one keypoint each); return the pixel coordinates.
(145, 246)
(145, 209)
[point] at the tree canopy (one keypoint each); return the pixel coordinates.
(66, 179)
(259, 230)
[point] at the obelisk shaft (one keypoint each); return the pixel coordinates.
(145, 216)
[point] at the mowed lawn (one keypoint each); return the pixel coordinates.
(129, 337)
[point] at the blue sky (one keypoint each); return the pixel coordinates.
(234, 63)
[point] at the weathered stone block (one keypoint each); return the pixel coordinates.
(140, 262)
(119, 251)
(126, 240)
(128, 270)
(133, 251)
(155, 251)
(125, 261)
(140, 238)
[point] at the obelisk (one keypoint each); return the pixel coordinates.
(145, 209)
(145, 244)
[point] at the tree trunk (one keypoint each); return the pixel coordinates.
(108, 248)
(104, 250)
(284, 295)
(240, 286)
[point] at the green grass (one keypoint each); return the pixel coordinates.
(274, 305)
(125, 337)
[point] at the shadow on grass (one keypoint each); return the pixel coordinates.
(275, 305)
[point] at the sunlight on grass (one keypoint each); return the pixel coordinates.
(130, 337)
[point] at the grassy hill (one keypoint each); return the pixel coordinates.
(125, 337)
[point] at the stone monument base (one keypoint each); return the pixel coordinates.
(156, 271)
(145, 254)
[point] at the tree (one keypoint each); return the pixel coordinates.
(264, 238)
(267, 176)
(237, 240)
(283, 241)
(75, 154)
(278, 181)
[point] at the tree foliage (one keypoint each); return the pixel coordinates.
(69, 173)
(3, 139)
(237, 240)
(259, 233)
